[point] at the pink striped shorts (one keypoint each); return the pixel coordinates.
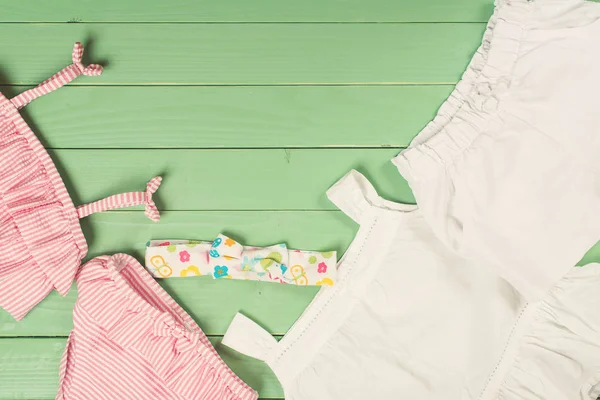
(131, 340)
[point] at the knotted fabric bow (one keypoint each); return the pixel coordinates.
(226, 258)
(59, 79)
(165, 326)
(227, 255)
(133, 330)
(90, 70)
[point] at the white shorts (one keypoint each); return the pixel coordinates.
(508, 173)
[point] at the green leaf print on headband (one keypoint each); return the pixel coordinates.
(267, 262)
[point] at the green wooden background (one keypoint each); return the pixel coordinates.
(249, 109)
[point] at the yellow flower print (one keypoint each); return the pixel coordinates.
(160, 266)
(298, 275)
(324, 282)
(192, 270)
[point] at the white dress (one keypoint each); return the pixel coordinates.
(410, 319)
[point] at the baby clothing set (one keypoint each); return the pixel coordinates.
(130, 339)
(471, 295)
(474, 294)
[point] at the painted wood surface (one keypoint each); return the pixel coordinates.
(234, 116)
(250, 111)
(186, 11)
(244, 54)
(273, 179)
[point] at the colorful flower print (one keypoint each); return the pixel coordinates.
(275, 279)
(227, 258)
(192, 270)
(184, 256)
(247, 264)
(298, 275)
(322, 268)
(221, 271)
(325, 282)
(268, 261)
(161, 268)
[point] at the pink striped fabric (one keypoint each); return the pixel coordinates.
(131, 340)
(41, 242)
(59, 79)
(126, 200)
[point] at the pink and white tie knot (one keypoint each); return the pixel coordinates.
(151, 211)
(90, 70)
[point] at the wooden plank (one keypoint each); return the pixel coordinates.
(213, 304)
(245, 11)
(234, 116)
(29, 369)
(244, 53)
(228, 179)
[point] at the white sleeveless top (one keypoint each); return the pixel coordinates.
(409, 319)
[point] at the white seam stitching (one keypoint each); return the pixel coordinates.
(508, 343)
(332, 295)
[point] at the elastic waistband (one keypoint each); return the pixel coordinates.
(466, 113)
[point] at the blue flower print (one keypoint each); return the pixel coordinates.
(283, 269)
(247, 264)
(217, 242)
(214, 253)
(221, 271)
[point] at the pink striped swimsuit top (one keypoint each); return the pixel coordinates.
(37, 216)
(130, 339)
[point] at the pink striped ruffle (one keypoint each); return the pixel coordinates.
(132, 340)
(41, 242)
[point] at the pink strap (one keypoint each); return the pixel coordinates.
(126, 200)
(59, 79)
